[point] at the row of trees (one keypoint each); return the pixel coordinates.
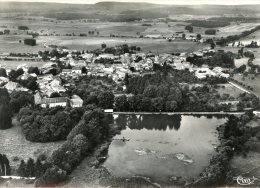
(224, 41)
(10, 104)
(5, 168)
(31, 168)
(92, 129)
(5, 110)
(219, 59)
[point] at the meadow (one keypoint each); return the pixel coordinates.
(16, 147)
(11, 44)
(250, 80)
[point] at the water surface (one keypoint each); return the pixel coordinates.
(162, 146)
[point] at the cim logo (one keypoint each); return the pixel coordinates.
(245, 180)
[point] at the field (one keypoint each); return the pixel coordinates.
(229, 89)
(248, 81)
(11, 44)
(247, 166)
(235, 29)
(57, 29)
(14, 64)
(240, 62)
(53, 27)
(16, 147)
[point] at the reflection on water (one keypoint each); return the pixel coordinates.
(157, 122)
(162, 146)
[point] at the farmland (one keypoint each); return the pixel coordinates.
(229, 89)
(90, 43)
(16, 147)
(250, 80)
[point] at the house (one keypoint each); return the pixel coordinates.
(108, 110)
(3, 80)
(37, 98)
(153, 36)
(66, 71)
(76, 70)
(53, 102)
(13, 86)
(202, 73)
(76, 101)
(106, 56)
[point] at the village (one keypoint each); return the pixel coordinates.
(102, 65)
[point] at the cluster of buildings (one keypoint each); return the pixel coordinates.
(109, 65)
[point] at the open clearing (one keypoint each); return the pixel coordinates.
(14, 64)
(235, 29)
(61, 27)
(229, 89)
(248, 81)
(16, 147)
(11, 44)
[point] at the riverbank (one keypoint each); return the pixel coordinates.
(179, 113)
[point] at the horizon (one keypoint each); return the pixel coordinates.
(162, 2)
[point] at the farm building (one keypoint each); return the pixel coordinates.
(53, 102)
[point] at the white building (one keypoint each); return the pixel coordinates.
(53, 102)
(76, 101)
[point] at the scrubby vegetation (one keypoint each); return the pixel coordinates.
(208, 23)
(5, 110)
(233, 136)
(31, 42)
(211, 32)
(219, 59)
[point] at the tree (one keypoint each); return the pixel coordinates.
(32, 84)
(39, 168)
(20, 99)
(5, 168)
(3, 72)
(13, 75)
(84, 70)
(158, 104)
(34, 70)
(106, 99)
(170, 106)
(31, 42)
(5, 112)
(54, 95)
(103, 45)
(198, 37)
(210, 32)
(22, 169)
(189, 28)
(121, 103)
(4, 96)
(30, 168)
(241, 69)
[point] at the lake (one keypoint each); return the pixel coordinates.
(163, 146)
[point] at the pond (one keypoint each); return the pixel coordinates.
(162, 147)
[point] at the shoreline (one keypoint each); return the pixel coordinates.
(177, 113)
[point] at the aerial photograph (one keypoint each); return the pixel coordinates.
(129, 93)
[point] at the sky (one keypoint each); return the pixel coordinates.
(181, 2)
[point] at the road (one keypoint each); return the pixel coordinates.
(239, 87)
